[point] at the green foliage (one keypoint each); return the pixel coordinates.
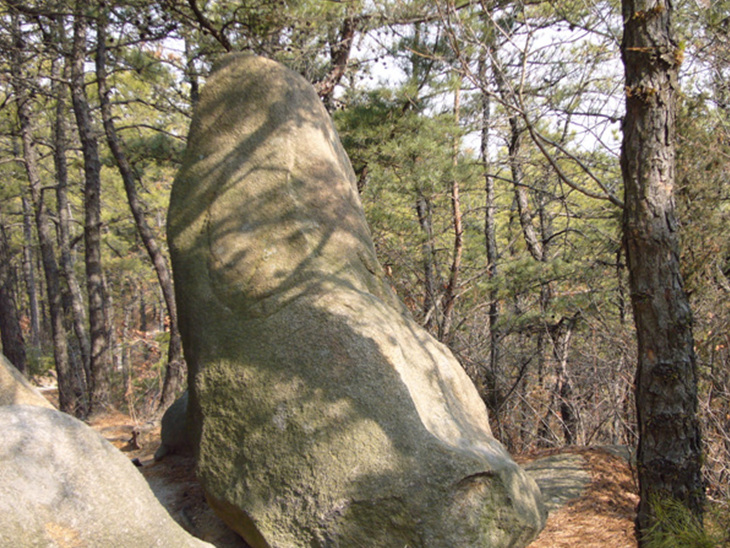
(39, 362)
(402, 155)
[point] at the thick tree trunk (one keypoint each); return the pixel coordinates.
(669, 454)
(69, 392)
(175, 370)
(11, 333)
(98, 361)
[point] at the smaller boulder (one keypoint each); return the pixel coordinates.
(175, 434)
(15, 388)
(61, 484)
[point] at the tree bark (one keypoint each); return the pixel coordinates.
(175, 370)
(561, 333)
(29, 275)
(494, 397)
(430, 300)
(669, 453)
(191, 75)
(69, 393)
(532, 242)
(98, 362)
(450, 294)
(514, 148)
(11, 333)
(339, 57)
(66, 262)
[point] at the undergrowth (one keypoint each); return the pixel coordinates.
(677, 527)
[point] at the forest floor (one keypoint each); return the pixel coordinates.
(590, 492)
(591, 495)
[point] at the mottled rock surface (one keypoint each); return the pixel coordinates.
(562, 477)
(15, 388)
(174, 433)
(322, 414)
(63, 485)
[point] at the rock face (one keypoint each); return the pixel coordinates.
(174, 433)
(15, 388)
(61, 484)
(321, 413)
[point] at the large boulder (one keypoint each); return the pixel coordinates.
(15, 388)
(174, 431)
(321, 413)
(61, 484)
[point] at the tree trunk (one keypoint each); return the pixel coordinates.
(66, 262)
(450, 294)
(98, 362)
(175, 370)
(69, 393)
(669, 453)
(534, 245)
(514, 148)
(10, 330)
(430, 302)
(339, 56)
(494, 399)
(561, 333)
(191, 75)
(29, 276)
(620, 288)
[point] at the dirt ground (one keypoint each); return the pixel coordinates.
(604, 512)
(172, 479)
(590, 492)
